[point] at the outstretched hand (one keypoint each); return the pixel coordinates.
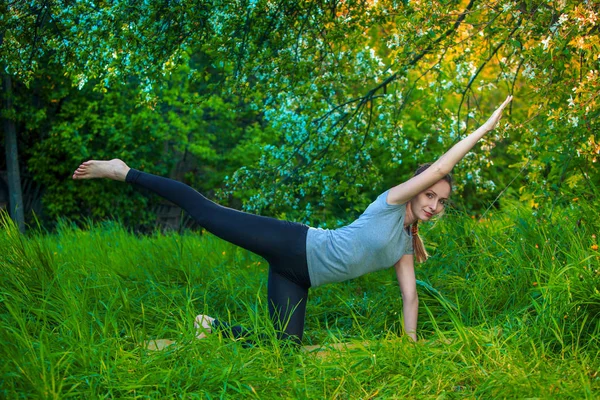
(493, 120)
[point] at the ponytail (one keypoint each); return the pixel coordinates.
(418, 246)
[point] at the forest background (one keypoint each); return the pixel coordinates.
(302, 110)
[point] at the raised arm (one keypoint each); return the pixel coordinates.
(405, 272)
(405, 191)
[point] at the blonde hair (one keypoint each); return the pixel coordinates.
(418, 246)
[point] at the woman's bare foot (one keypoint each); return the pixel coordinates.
(114, 169)
(203, 325)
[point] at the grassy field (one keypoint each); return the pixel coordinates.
(509, 308)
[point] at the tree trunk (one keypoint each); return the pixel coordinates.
(15, 196)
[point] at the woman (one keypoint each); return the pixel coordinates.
(300, 257)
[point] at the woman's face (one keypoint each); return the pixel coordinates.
(431, 201)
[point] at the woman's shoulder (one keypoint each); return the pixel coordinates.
(382, 200)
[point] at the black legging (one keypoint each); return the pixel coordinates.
(282, 244)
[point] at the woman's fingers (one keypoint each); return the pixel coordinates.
(503, 106)
(493, 120)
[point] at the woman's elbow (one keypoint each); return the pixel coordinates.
(441, 167)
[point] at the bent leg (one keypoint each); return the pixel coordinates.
(267, 237)
(287, 306)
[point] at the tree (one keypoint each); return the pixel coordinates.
(357, 91)
(15, 200)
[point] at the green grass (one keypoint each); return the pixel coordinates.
(509, 308)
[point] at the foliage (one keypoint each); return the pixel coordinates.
(344, 98)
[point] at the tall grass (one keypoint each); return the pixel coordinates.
(509, 307)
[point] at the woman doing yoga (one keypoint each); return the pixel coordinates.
(301, 257)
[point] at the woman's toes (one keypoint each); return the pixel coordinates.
(203, 321)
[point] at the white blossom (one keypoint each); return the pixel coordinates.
(574, 121)
(545, 42)
(528, 71)
(563, 18)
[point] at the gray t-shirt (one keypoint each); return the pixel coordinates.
(376, 240)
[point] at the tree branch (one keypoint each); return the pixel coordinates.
(476, 74)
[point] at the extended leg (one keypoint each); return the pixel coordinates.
(267, 237)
